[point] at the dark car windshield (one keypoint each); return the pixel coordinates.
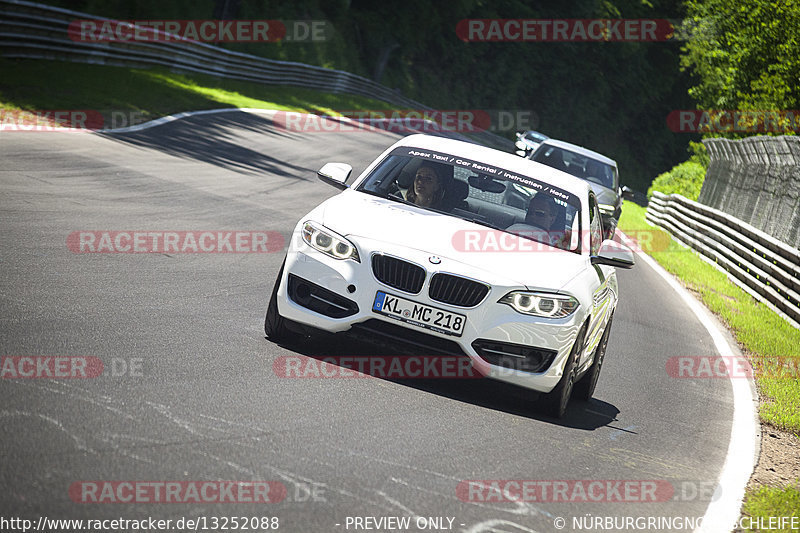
(480, 193)
(578, 165)
(536, 137)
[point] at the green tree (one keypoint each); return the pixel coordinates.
(744, 54)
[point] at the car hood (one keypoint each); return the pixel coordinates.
(355, 214)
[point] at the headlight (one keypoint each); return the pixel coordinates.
(328, 242)
(522, 145)
(606, 209)
(541, 304)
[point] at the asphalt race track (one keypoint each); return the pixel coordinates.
(189, 392)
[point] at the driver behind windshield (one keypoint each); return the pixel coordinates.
(429, 186)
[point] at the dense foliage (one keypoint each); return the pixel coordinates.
(744, 54)
(685, 179)
(612, 97)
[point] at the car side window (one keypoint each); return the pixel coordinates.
(595, 228)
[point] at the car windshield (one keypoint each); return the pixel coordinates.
(535, 137)
(578, 165)
(480, 193)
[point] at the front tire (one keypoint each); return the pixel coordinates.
(274, 324)
(554, 403)
(584, 389)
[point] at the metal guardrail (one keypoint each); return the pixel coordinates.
(37, 31)
(766, 267)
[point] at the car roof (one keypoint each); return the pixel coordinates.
(539, 133)
(578, 150)
(505, 160)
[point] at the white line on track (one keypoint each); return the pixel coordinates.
(150, 123)
(722, 514)
(187, 114)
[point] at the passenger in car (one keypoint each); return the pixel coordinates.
(542, 211)
(543, 222)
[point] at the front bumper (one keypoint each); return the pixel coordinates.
(348, 290)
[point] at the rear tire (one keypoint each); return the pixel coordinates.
(554, 403)
(584, 389)
(274, 324)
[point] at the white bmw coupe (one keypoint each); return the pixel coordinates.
(461, 250)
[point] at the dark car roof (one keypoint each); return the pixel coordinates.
(577, 149)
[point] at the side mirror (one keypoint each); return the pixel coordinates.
(614, 254)
(626, 192)
(335, 174)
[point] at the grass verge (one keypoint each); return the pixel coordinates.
(37, 85)
(771, 343)
(766, 502)
(763, 335)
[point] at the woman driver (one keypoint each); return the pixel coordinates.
(428, 189)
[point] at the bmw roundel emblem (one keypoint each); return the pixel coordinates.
(434, 260)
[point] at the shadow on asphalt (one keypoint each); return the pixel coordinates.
(215, 139)
(485, 393)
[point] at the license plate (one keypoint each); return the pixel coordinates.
(420, 315)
